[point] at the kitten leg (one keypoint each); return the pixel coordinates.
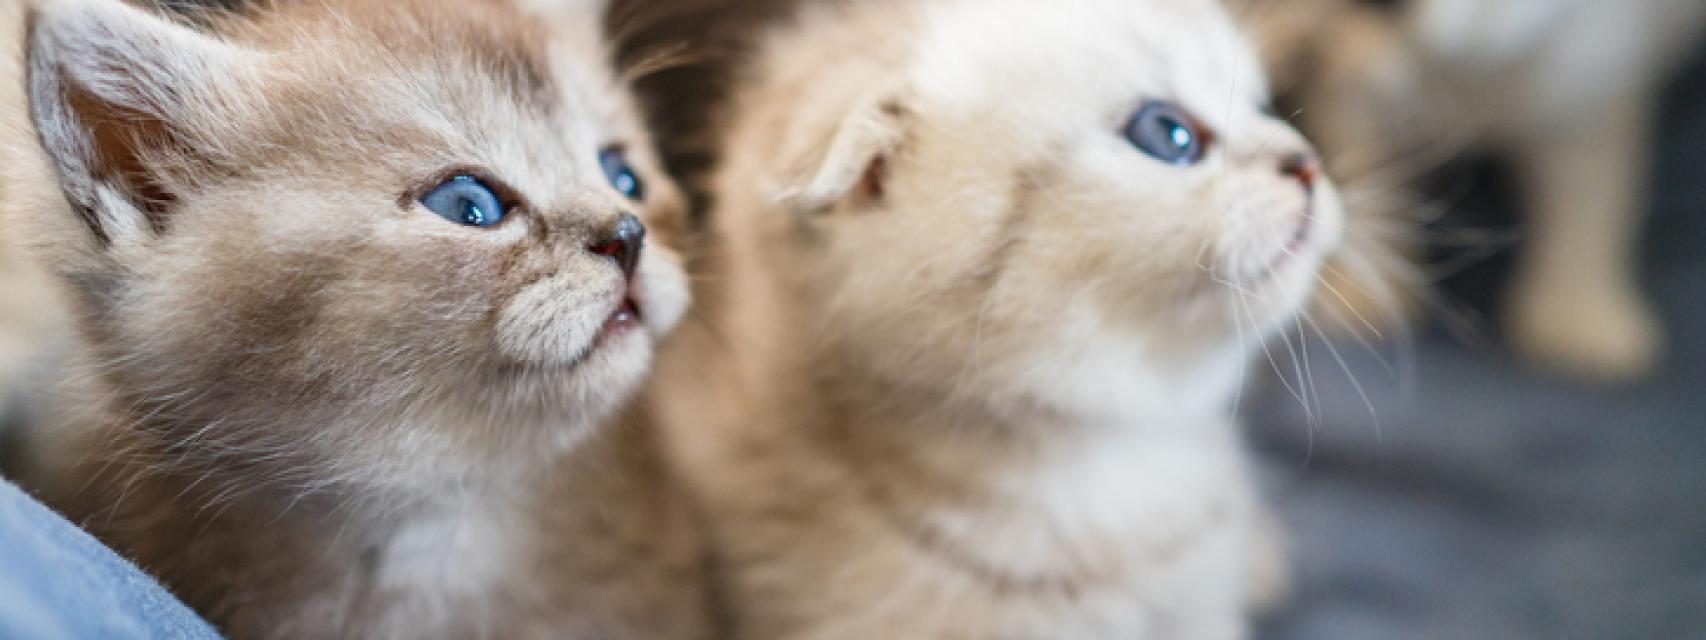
(1577, 306)
(1267, 567)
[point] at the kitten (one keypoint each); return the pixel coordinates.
(984, 278)
(691, 49)
(357, 283)
(29, 313)
(1566, 88)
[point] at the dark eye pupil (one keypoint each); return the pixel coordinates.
(626, 183)
(621, 176)
(1166, 132)
(1178, 133)
(465, 200)
(471, 214)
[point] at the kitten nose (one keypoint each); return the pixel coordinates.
(623, 243)
(1303, 167)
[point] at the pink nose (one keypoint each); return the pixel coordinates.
(1303, 167)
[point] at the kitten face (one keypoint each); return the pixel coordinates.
(381, 229)
(1013, 231)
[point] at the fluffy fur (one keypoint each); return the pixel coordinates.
(31, 322)
(310, 406)
(1565, 88)
(966, 357)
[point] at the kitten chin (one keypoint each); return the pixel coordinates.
(983, 276)
(356, 283)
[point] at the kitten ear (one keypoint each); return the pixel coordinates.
(110, 88)
(848, 164)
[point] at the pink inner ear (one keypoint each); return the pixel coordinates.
(118, 136)
(870, 188)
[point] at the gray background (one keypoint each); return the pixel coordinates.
(1477, 500)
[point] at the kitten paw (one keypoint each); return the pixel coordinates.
(1605, 334)
(1268, 569)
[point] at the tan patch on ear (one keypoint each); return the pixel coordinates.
(853, 161)
(870, 189)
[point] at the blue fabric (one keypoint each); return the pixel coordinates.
(58, 582)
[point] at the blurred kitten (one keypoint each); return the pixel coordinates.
(690, 50)
(1567, 88)
(29, 322)
(356, 283)
(985, 277)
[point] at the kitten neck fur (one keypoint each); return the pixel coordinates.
(309, 404)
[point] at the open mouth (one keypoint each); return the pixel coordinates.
(625, 317)
(621, 321)
(1301, 237)
(539, 338)
(1295, 247)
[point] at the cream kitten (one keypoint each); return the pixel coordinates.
(1566, 88)
(356, 283)
(985, 277)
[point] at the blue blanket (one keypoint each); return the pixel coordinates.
(56, 583)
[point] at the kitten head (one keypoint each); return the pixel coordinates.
(1048, 203)
(365, 232)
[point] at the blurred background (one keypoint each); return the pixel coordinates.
(1435, 486)
(1460, 494)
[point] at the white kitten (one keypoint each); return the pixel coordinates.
(984, 276)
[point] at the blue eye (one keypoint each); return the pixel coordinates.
(1166, 132)
(621, 176)
(465, 200)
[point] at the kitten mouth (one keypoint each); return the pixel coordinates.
(1295, 246)
(1302, 235)
(552, 329)
(625, 317)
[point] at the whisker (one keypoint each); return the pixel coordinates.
(1350, 374)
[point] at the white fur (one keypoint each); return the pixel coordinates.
(971, 369)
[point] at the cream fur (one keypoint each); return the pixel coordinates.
(30, 311)
(966, 356)
(31, 321)
(313, 408)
